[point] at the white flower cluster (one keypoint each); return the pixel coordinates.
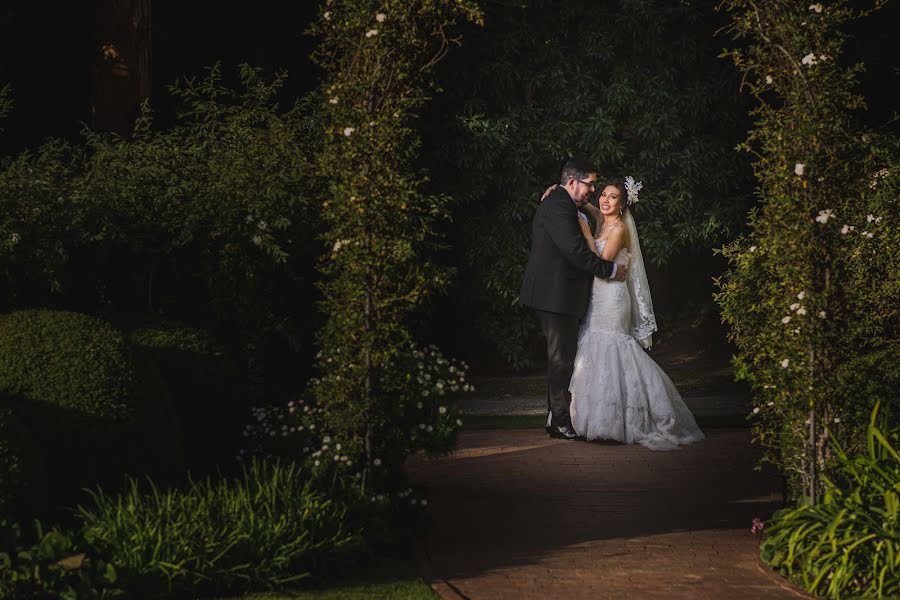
(870, 218)
(882, 173)
(437, 375)
(825, 215)
(798, 308)
(811, 59)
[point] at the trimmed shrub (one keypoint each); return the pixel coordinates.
(267, 529)
(206, 387)
(94, 408)
(23, 481)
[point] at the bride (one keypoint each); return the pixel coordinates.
(618, 391)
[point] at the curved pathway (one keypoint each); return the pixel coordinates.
(519, 515)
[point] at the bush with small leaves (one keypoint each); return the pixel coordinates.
(23, 479)
(207, 389)
(95, 409)
(812, 295)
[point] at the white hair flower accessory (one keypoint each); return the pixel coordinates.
(632, 188)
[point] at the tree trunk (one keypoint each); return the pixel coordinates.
(120, 69)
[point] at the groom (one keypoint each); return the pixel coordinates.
(558, 281)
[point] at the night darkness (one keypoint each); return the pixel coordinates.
(46, 56)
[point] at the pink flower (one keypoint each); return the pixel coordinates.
(757, 526)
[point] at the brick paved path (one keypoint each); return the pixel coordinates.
(519, 515)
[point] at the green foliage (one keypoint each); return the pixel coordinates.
(812, 295)
(268, 529)
(421, 417)
(52, 565)
(378, 62)
(209, 221)
(10, 464)
(23, 480)
(632, 84)
(847, 545)
(206, 387)
(5, 102)
(94, 409)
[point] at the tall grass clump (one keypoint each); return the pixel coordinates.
(848, 544)
(265, 530)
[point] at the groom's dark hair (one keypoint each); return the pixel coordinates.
(576, 168)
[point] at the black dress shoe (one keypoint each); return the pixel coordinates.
(564, 432)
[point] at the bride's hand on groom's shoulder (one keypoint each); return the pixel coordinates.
(547, 193)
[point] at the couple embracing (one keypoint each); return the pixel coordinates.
(589, 290)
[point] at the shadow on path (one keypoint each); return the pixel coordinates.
(519, 515)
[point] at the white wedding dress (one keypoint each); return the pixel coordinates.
(618, 391)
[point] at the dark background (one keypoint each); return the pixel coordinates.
(45, 53)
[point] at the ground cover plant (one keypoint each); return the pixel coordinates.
(269, 528)
(848, 544)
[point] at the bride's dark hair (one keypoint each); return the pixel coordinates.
(623, 193)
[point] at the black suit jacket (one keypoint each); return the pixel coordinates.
(561, 267)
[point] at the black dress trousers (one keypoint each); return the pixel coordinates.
(561, 332)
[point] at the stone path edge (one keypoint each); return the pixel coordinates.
(780, 580)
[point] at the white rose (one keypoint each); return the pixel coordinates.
(786, 320)
(799, 168)
(371, 33)
(348, 131)
(785, 363)
(815, 7)
(380, 17)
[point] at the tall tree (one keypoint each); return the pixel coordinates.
(120, 68)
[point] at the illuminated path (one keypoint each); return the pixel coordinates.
(519, 515)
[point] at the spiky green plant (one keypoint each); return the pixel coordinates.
(848, 544)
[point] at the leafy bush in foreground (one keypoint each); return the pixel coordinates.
(848, 544)
(46, 565)
(265, 530)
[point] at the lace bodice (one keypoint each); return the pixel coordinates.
(622, 257)
(610, 306)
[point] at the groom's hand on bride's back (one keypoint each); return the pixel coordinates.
(621, 272)
(549, 189)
